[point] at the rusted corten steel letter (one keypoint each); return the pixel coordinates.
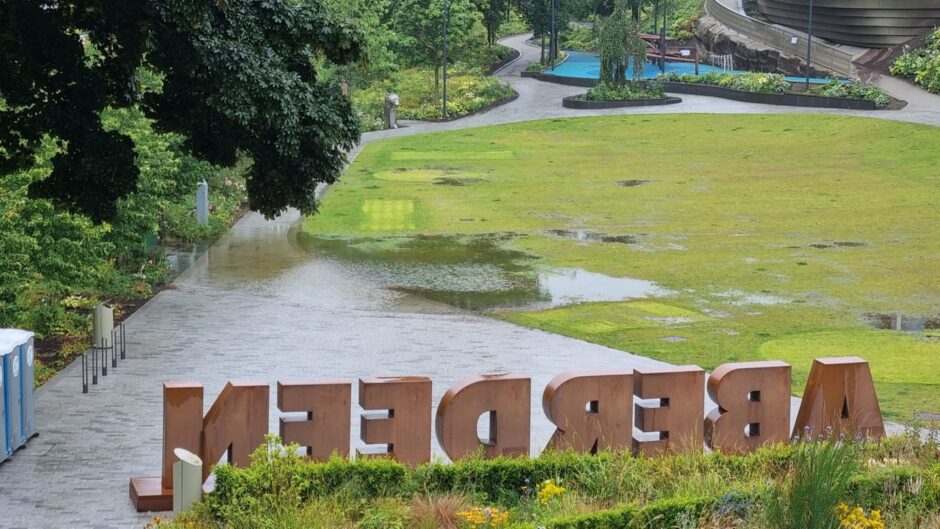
(840, 395)
(678, 418)
(325, 429)
(182, 423)
(592, 410)
(753, 410)
(507, 399)
(406, 429)
(237, 422)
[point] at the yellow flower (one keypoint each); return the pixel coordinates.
(856, 518)
(548, 489)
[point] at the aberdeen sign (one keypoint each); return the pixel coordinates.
(591, 411)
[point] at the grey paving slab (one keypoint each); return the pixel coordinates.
(257, 306)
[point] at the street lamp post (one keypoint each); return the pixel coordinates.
(553, 52)
(809, 43)
(662, 41)
(444, 101)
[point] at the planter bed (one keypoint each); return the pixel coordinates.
(793, 100)
(584, 104)
(796, 100)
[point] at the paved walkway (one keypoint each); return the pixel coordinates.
(257, 306)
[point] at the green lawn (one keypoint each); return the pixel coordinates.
(775, 234)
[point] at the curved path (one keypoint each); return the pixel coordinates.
(256, 306)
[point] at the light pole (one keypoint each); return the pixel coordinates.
(662, 42)
(444, 15)
(809, 43)
(553, 52)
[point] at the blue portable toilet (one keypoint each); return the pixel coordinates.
(17, 356)
(6, 429)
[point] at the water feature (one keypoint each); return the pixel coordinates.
(473, 272)
(587, 66)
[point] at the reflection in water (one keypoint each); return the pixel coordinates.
(472, 272)
(901, 322)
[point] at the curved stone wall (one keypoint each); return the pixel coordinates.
(866, 23)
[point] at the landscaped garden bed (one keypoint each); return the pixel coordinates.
(922, 65)
(635, 94)
(894, 484)
(774, 89)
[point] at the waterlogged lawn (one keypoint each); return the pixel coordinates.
(769, 236)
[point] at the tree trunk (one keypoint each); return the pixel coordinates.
(437, 81)
(542, 60)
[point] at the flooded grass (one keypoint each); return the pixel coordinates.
(473, 272)
(902, 322)
(593, 236)
(804, 244)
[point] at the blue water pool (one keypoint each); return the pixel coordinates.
(588, 66)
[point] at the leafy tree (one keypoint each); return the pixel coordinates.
(237, 76)
(420, 26)
(494, 12)
(538, 14)
(618, 44)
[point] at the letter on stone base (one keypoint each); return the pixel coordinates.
(840, 399)
(405, 429)
(753, 410)
(678, 418)
(592, 410)
(507, 399)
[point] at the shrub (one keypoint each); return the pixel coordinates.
(765, 83)
(922, 64)
(630, 91)
(854, 90)
(578, 38)
(468, 90)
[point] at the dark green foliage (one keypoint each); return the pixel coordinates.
(629, 91)
(619, 44)
(922, 64)
(854, 90)
(238, 76)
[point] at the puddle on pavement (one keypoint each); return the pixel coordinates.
(181, 257)
(593, 236)
(901, 322)
(472, 272)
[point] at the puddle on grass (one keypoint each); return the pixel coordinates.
(740, 298)
(632, 183)
(593, 236)
(901, 322)
(838, 244)
(473, 272)
(458, 181)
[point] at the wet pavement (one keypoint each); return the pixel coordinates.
(258, 305)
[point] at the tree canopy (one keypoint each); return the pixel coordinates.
(238, 76)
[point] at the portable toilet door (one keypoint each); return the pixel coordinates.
(6, 444)
(27, 389)
(11, 366)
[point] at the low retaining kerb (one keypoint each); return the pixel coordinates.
(583, 104)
